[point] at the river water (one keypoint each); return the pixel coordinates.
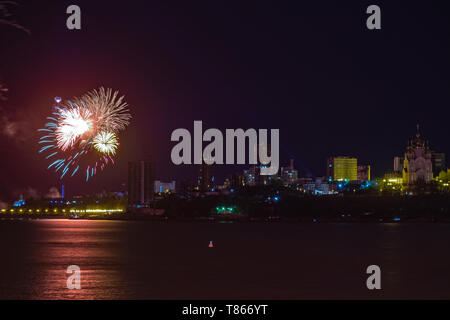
(172, 260)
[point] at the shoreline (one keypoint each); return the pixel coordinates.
(302, 220)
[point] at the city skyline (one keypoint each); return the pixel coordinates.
(244, 169)
(323, 106)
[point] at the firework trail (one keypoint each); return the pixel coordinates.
(5, 16)
(83, 132)
(3, 92)
(6, 19)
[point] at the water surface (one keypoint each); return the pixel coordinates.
(172, 260)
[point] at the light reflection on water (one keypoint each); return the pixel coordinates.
(152, 260)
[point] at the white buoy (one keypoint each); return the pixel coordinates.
(211, 245)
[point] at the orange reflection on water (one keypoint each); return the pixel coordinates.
(94, 246)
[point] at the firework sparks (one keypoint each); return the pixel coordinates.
(83, 132)
(106, 142)
(72, 124)
(110, 112)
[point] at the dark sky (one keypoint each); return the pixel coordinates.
(310, 68)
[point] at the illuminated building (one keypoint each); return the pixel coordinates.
(253, 176)
(394, 178)
(438, 162)
(164, 186)
(363, 172)
(289, 175)
(237, 180)
(398, 164)
(265, 179)
(417, 165)
(140, 183)
(321, 186)
(342, 169)
(444, 176)
(205, 178)
(392, 183)
(307, 185)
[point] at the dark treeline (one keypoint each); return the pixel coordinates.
(263, 202)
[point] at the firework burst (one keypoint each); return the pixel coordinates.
(106, 142)
(109, 110)
(73, 123)
(83, 132)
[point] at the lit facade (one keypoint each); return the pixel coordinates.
(164, 186)
(438, 162)
(342, 169)
(363, 172)
(289, 175)
(398, 164)
(417, 165)
(205, 178)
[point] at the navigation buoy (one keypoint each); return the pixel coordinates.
(210, 244)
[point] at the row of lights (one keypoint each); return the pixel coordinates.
(63, 210)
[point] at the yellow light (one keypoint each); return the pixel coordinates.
(95, 210)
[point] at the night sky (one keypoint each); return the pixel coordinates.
(310, 68)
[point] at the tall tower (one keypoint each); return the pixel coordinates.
(140, 183)
(205, 177)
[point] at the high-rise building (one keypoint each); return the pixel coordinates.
(237, 181)
(205, 177)
(438, 161)
(140, 183)
(398, 164)
(363, 172)
(342, 168)
(289, 175)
